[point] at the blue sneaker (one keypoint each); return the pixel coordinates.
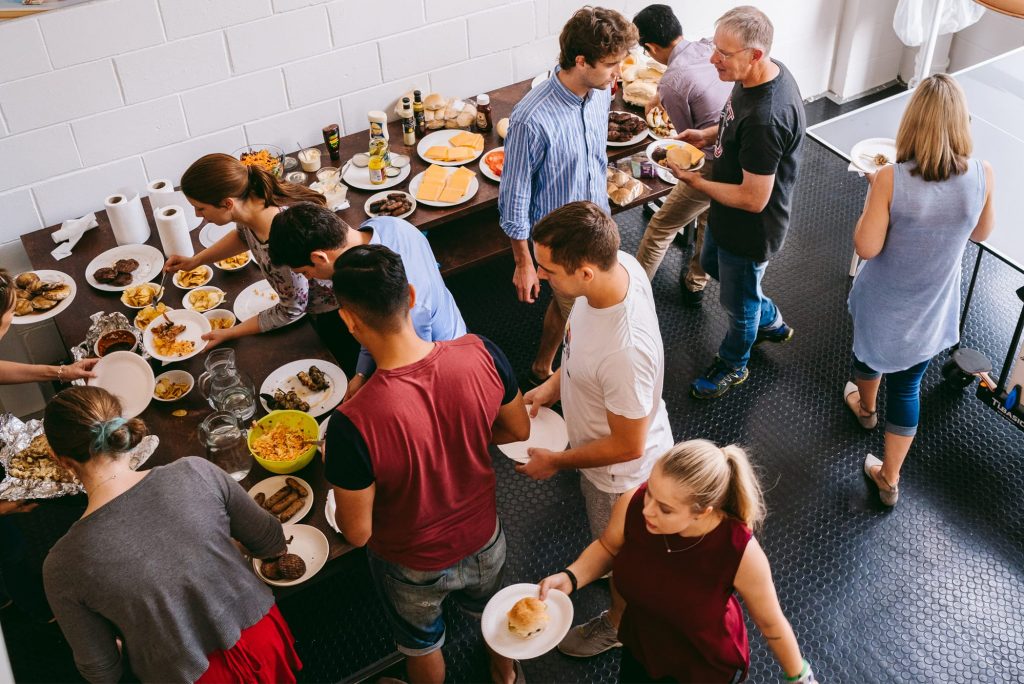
(717, 380)
(778, 335)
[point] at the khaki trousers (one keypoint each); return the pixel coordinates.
(682, 206)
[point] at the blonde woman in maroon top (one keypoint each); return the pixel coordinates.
(681, 547)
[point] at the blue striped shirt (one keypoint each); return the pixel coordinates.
(554, 154)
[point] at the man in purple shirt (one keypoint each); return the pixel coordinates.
(692, 95)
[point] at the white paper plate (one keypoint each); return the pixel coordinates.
(48, 276)
(178, 377)
(259, 296)
(331, 511)
(650, 132)
(319, 402)
(494, 622)
(270, 486)
(128, 377)
(151, 263)
(417, 180)
(539, 78)
(207, 278)
(195, 324)
(664, 173)
(212, 233)
(547, 431)
(639, 137)
(441, 139)
(308, 543)
(187, 302)
(871, 147)
(359, 177)
(486, 170)
(382, 195)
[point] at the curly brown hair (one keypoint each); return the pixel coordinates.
(578, 233)
(595, 33)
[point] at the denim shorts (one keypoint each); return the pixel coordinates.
(412, 598)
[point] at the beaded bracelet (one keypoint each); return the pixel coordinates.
(60, 373)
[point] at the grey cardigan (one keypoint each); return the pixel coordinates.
(157, 567)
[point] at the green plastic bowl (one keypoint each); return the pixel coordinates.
(293, 419)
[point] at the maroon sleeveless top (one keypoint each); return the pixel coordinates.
(682, 619)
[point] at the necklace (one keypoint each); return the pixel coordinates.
(112, 477)
(671, 550)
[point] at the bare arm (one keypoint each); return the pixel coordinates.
(873, 224)
(354, 514)
(755, 586)
(626, 441)
(228, 246)
(751, 195)
(596, 559)
(987, 220)
(13, 373)
(512, 423)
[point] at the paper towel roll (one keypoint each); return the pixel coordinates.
(173, 231)
(162, 194)
(127, 219)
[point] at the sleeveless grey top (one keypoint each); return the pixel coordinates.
(905, 302)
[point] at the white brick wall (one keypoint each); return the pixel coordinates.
(118, 91)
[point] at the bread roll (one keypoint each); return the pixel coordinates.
(454, 108)
(620, 178)
(528, 617)
(685, 156)
(466, 118)
(502, 128)
(640, 92)
(630, 73)
(434, 101)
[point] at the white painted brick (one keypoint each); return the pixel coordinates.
(3, 128)
(332, 75)
(560, 11)
(279, 39)
(476, 76)
(84, 191)
(82, 34)
(171, 161)
(59, 96)
(529, 60)
(358, 21)
(173, 67)
(439, 10)
(22, 52)
(303, 126)
(501, 29)
(542, 10)
(129, 130)
(235, 101)
(189, 17)
(289, 5)
(18, 215)
(383, 97)
(424, 49)
(31, 157)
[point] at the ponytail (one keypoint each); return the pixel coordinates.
(82, 422)
(213, 178)
(721, 478)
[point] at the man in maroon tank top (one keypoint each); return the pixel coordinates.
(408, 460)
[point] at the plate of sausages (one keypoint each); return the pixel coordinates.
(287, 498)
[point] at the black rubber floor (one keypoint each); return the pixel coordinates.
(928, 592)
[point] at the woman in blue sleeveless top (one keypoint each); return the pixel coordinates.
(918, 216)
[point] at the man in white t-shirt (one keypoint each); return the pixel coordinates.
(609, 381)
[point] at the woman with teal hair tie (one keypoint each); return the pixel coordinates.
(149, 578)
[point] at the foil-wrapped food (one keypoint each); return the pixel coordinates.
(102, 323)
(31, 473)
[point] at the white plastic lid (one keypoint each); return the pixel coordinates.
(483, 99)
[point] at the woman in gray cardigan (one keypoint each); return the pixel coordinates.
(150, 574)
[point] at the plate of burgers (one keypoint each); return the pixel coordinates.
(681, 153)
(121, 267)
(625, 129)
(518, 625)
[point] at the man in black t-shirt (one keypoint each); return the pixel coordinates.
(757, 145)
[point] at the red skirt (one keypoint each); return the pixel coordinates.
(264, 654)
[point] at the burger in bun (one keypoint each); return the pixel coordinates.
(528, 617)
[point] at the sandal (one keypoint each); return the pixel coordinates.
(868, 421)
(888, 496)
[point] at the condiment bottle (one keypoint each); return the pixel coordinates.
(408, 123)
(333, 141)
(418, 115)
(376, 168)
(483, 113)
(379, 131)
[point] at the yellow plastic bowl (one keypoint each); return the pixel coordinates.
(299, 420)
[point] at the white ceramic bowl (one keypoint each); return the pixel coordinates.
(220, 315)
(186, 300)
(178, 377)
(208, 278)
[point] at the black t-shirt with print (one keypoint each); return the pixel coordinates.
(760, 130)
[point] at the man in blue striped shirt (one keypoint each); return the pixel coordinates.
(555, 151)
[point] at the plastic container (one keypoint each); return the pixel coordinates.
(293, 419)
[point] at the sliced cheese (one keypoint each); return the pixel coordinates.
(429, 190)
(474, 141)
(438, 152)
(452, 194)
(460, 153)
(435, 173)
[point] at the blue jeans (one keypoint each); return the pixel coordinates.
(902, 395)
(412, 598)
(741, 296)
